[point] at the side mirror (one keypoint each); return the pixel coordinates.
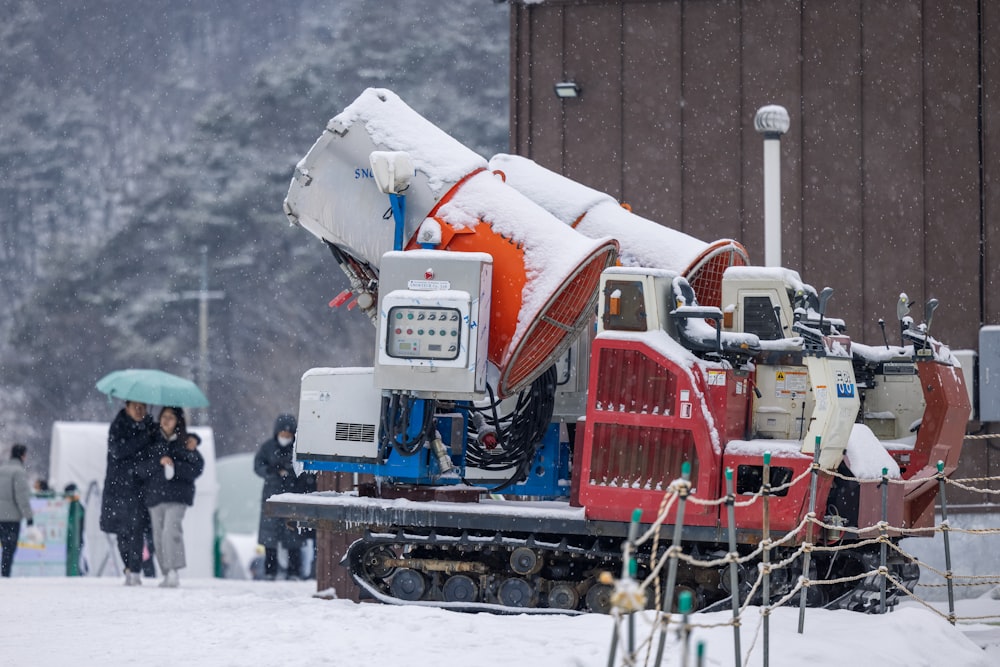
(824, 298)
(931, 307)
(902, 306)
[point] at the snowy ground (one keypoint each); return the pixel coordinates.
(97, 622)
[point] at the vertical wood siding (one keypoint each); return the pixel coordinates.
(882, 190)
(890, 170)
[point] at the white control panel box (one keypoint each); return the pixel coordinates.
(433, 328)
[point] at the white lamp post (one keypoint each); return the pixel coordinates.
(772, 121)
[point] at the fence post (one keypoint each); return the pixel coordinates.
(810, 515)
(765, 490)
(684, 605)
(614, 645)
(883, 536)
(734, 577)
(628, 572)
(947, 544)
(675, 544)
(629, 567)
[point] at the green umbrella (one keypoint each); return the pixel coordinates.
(154, 387)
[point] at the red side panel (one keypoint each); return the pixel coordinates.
(942, 429)
(787, 509)
(729, 401)
(646, 416)
(940, 438)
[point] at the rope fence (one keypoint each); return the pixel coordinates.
(878, 586)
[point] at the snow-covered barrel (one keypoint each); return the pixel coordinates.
(642, 242)
(545, 275)
(333, 193)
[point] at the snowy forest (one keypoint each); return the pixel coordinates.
(138, 138)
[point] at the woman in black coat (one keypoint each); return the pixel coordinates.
(123, 510)
(273, 462)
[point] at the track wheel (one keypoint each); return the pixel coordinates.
(407, 584)
(563, 596)
(599, 598)
(375, 562)
(525, 561)
(460, 588)
(816, 596)
(697, 600)
(514, 592)
(909, 574)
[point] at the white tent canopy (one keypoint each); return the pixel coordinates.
(79, 456)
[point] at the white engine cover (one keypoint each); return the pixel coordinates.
(339, 413)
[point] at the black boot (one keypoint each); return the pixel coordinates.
(294, 563)
(270, 563)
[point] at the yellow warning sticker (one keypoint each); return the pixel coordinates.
(788, 384)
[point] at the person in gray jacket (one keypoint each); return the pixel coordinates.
(15, 504)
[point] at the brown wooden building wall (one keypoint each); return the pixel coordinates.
(889, 171)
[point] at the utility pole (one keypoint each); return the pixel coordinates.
(203, 295)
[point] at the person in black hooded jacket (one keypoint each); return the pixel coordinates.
(273, 462)
(123, 511)
(169, 476)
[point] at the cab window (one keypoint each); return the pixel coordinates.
(760, 318)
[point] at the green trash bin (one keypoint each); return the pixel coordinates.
(74, 535)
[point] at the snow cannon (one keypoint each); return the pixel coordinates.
(643, 242)
(545, 275)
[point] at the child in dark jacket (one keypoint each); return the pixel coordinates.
(170, 490)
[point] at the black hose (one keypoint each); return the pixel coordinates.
(518, 432)
(396, 415)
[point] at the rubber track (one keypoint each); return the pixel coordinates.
(864, 597)
(594, 557)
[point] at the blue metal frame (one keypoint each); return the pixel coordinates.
(548, 475)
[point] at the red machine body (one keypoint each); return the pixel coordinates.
(698, 361)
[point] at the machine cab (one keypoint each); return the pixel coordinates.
(768, 301)
(805, 384)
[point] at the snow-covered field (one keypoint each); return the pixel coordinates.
(95, 622)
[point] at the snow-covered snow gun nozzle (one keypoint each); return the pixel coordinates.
(393, 171)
